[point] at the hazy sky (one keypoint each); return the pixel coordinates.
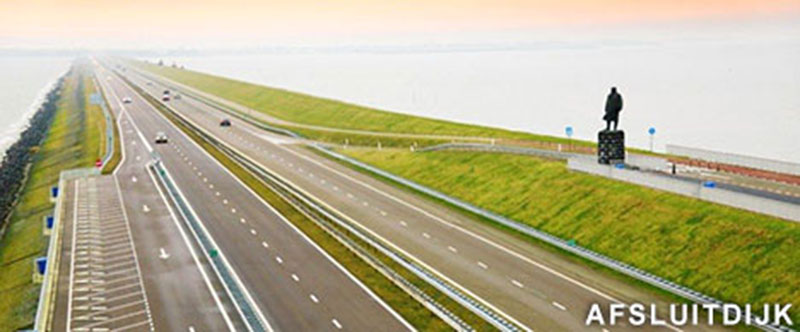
(182, 23)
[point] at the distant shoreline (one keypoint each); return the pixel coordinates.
(19, 155)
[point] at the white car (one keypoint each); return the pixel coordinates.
(161, 138)
(126, 100)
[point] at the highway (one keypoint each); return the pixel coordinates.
(533, 287)
(294, 284)
(127, 263)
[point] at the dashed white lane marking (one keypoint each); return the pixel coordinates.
(403, 223)
(322, 181)
(233, 210)
(559, 306)
(191, 329)
(383, 213)
(336, 324)
(453, 249)
(483, 265)
(138, 158)
(349, 195)
(314, 298)
(210, 186)
(145, 208)
(311, 174)
(265, 244)
(279, 259)
(205, 179)
(365, 203)
(253, 231)
(426, 235)
(225, 201)
(134, 179)
(517, 283)
(164, 254)
(295, 277)
(216, 193)
(605, 330)
(241, 220)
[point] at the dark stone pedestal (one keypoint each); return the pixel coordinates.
(611, 147)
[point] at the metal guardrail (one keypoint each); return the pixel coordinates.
(616, 265)
(44, 307)
(455, 294)
(499, 148)
(211, 252)
(608, 262)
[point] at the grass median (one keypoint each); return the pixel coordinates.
(71, 142)
(405, 305)
(728, 253)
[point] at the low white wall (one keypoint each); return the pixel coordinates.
(735, 159)
(716, 195)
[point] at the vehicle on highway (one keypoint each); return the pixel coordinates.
(126, 100)
(165, 98)
(161, 138)
(166, 92)
(225, 123)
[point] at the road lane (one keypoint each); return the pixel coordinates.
(534, 286)
(241, 223)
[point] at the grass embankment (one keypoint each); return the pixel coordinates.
(728, 253)
(72, 141)
(411, 310)
(309, 110)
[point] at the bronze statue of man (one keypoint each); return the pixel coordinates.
(613, 107)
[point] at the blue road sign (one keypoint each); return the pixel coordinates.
(54, 192)
(652, 130)
(41, 264)
(569, 131)
(50, 221)
(95, 98)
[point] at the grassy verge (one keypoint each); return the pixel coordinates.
(116, 156)
(411, 310)
(730, 254)
(68, 145)
(310, 110)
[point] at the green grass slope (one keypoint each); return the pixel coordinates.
(310, 110)
(73, 140)
(725, 252)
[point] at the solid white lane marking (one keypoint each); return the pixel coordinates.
(295, 277)
(336, 324)
(517, 283)
(314, 298)
(483, 265)
(164, 254)
(559, 306)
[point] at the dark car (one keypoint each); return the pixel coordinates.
(225, 123)
(166, 92)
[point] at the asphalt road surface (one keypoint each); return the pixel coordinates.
(533, 287)
(295, 285)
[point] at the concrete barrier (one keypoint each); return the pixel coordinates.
(692, 189)
(777, 166)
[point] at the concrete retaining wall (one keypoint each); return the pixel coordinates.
(735, 159)
(716, 195)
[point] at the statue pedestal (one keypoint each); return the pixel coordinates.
(611, 147)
